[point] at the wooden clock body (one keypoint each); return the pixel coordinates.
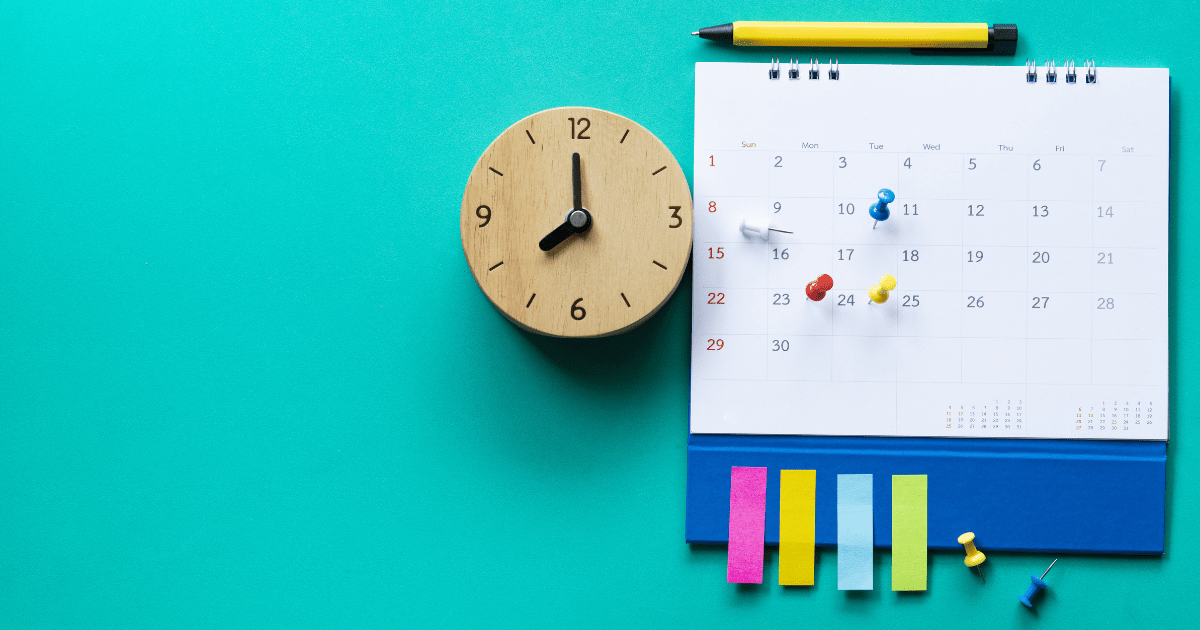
(605, 281)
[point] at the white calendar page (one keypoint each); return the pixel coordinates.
(1028, 239)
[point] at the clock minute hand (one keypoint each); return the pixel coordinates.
(576, 182)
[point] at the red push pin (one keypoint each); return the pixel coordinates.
(817, 288)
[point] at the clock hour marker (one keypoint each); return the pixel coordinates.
(530, 300)
(623, 137)
(495, 171)
(530, 136)
(655, 262)
(626, 300)
(502, 262)
(658, 171)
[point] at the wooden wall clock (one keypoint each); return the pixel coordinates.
(577, 222)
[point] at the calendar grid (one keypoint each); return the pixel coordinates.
(987, 242)
(1028, 272)
(1091, 269)
(895, 366)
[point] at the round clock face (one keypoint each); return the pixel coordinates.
(577, 222)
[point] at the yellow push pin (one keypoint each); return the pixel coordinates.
(974, 557)
(879, 292)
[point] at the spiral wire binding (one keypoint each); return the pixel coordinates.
(1031, 70)
(814, 69)
(1069, 75)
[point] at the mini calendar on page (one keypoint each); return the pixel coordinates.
(1025, 240)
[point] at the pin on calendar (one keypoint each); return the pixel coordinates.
(879, 210)
(752, 228)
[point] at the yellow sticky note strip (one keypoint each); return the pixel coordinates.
(910, 532)
(797, 526)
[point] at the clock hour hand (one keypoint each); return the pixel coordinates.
(577, 221)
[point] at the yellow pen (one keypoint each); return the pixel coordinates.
(921, 37)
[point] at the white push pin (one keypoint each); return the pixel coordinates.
(751, 228)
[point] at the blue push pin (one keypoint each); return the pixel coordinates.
(1035, 587)
(879, 210)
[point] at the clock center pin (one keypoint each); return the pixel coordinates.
(578, 218)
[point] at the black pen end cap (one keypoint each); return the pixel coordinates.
(1003, 39)
(722, 33)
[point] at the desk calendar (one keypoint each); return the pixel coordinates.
(1028, 240)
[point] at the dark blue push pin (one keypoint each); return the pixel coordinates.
(1036, 586)
(879, 210)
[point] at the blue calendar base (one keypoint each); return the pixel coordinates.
(1016, 495)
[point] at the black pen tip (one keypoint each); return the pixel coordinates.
(722, 33)
(695, 32)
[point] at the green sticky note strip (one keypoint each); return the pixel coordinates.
(910, 532)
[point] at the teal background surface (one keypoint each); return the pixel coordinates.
(247, 380)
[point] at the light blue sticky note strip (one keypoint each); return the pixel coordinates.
(856, 532)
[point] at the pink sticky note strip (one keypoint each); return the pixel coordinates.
(747, 524)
